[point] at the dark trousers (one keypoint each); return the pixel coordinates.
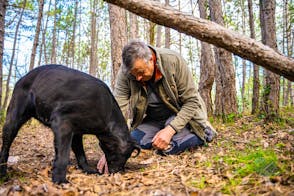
(181, 141)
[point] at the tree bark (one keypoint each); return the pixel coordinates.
(73, 44)
(212, 33)
(152, 33)
(118, 38)
(244, 65)
(93, 54)
(268, 34)
(167, 31)
(43, 49)
(54, 39)
(225, 100)
(255, 94)
(13, 54)
(133, 26)
(36, 39)
(207, 66)
(289, 46)
(3, 5)
(158, 36)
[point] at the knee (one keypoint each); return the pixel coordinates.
(138, 135)
(179, 147)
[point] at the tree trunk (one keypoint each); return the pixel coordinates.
(207, 66)
(133, 26)
(158, 36)
(212, 33)
(268, 33)
(180, 34)
(13, 53)
(167, 31)
(255, 96)
(43, 44)
(54, 40)
(36, 39)
(118, 38)
(152, 33)
(73, 45)
(289, 46)
(3, 5)
(244, 66)
(93, 54)
(225, 101)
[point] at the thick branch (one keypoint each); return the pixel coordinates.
(212, 33)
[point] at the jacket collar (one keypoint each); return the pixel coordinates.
(159, 72)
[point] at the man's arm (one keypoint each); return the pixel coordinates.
(122, 92)
(192, 103)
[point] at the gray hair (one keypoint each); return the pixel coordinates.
(134, 50)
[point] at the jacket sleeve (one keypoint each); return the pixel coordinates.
(122, 92)
(190, 101)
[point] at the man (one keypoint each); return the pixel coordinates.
(167, 111)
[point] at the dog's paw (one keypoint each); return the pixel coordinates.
(59, 180)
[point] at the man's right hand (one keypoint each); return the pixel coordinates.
(102, 165)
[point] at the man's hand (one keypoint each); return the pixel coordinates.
(162, 139)
(102, 164)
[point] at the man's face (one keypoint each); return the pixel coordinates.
(143, 70)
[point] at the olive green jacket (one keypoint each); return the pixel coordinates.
(177, 90)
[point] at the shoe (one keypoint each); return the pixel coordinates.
(210, 134)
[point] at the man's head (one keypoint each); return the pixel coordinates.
(137, 60)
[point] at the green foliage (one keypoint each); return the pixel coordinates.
(199, 182)
(231, 118)
(258, 161)
(19, 3)
(250, 162)
(262, 162)
(291, 12)
(2, 117)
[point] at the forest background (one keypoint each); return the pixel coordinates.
(89, 36)
(251, 107)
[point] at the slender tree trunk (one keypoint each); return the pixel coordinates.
(73, 45)
(43, 44)
(167, 31)
(255, 96)
(13, 54)
(180, 34)
(289, 44)
(54, 39)
(207, 66)
(133, 26)
(93, 54)
(268, 32)
(152, 33)
(225, 101)
(158, 36)
(118, 38)
(3, 5)
(41, 47)
(244, 66)
(36, 39)
(212, 33)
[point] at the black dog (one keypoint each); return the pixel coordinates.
(71, 103)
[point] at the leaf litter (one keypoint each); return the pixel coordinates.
(224, 167)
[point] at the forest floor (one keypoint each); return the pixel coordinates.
(248, 157)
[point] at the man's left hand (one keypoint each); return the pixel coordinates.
(162, 139)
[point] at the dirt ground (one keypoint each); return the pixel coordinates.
(202, 171)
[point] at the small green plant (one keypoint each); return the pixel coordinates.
(199, 183)
(262, 162)
(230, 118)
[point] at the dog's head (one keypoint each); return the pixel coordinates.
(117, 159)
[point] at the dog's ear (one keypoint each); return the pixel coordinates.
(137, 148)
